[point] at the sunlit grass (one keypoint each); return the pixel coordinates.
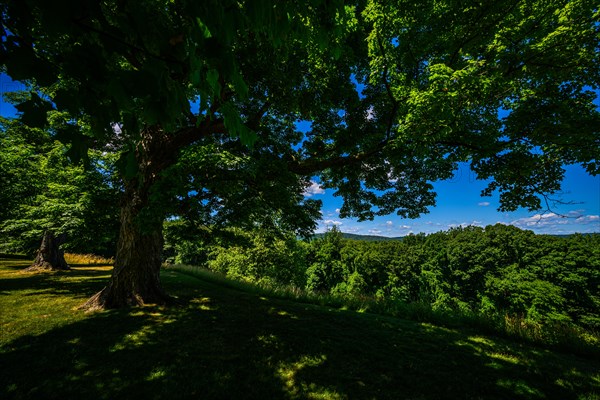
(34, 303)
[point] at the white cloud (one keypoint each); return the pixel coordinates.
(483, 204)
(374, 231)
(405, 227)
(538, 220)
(389, 223)
(313, 189)
(333, 222)
(553, 223)
(337, 210)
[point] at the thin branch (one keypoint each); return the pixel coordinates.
(310, 166)
(254, 122)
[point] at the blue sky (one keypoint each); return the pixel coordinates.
(458, 203)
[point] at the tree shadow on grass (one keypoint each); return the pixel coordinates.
(224, 344)
(77, 281)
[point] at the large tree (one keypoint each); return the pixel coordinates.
(398, 92)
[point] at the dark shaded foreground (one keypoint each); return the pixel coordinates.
(225, 344)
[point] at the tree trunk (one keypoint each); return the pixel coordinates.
(49, 256)
(135, 278)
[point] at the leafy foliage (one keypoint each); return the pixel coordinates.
(44, 191)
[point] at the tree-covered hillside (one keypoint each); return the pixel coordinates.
(495, 272)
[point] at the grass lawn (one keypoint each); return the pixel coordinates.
(223, 343)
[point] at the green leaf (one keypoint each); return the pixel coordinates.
(240, 86)
(195, 77)
(22, 64)
(247, 136)
(337, 52)
(212, 77)
(235, 126)
(34, 111)
(203, 28)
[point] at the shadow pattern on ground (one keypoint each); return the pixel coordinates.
(224, 344)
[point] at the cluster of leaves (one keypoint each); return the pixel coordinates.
(223, 184)
(397, 92)
(43, 190)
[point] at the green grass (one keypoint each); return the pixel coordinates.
(225, 343)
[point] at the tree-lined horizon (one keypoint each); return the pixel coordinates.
(397, 93)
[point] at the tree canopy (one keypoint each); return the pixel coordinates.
(397, 93)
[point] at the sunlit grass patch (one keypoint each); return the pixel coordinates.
(288, 372)
(87, 259)
(506, 357)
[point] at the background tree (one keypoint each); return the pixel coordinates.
(50, 256)
(397, 92)
(47, 193)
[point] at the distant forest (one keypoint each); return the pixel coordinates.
(377, 238)
(365, 238)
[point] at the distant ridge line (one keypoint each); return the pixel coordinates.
(376, 238)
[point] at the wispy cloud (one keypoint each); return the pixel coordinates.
(588, 219)
(483, 204)
(333, 222)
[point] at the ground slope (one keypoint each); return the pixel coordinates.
(220, 343)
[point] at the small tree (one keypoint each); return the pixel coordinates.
(50, 256)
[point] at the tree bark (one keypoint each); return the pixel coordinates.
(49, 256)
(135, 278)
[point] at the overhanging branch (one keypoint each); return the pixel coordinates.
(310, 166)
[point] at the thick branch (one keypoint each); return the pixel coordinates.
(388, 88)
(188, 135)
(310, 166)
